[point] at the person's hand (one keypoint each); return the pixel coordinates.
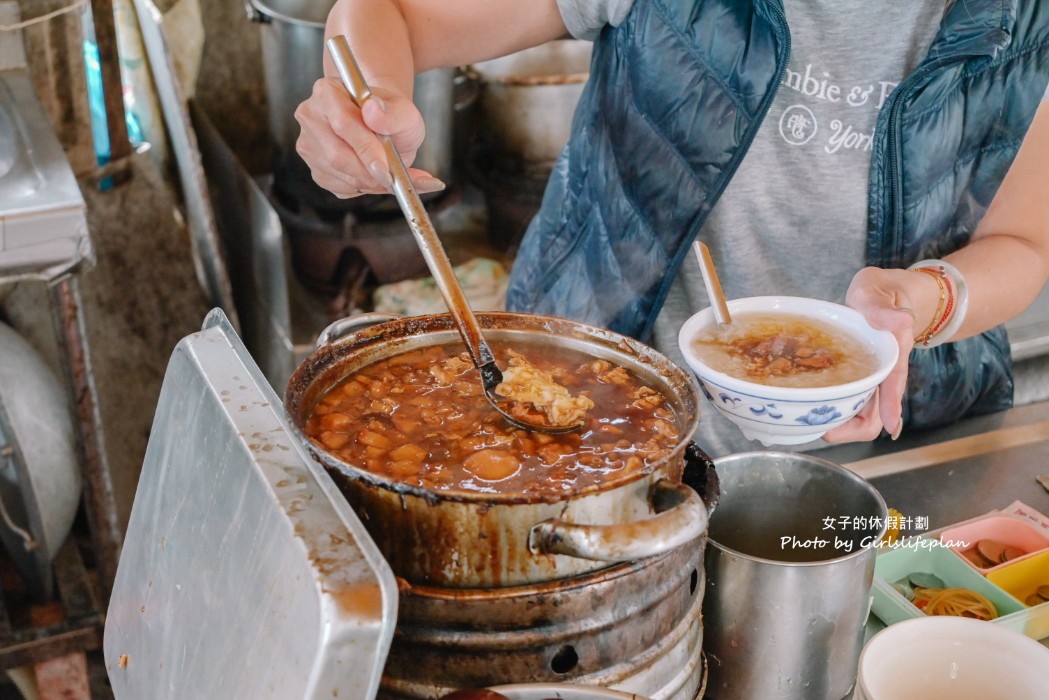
(884, 299)
(338, 141)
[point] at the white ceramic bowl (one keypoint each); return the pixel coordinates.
(789, 415)
(930, 658)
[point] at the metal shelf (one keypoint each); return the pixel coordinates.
(32, 632)
(44, 238)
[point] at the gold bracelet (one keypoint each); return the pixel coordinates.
(957, 302)
(943, 306)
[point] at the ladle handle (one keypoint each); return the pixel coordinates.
(414, 211)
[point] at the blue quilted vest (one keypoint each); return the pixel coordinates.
(675, 96)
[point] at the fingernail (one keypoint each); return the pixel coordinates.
(899, 429)
(379, 101)
(429, 184)
(381, 174)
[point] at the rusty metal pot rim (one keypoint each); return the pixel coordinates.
(391, 337)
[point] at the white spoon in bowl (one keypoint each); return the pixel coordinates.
(710, 281)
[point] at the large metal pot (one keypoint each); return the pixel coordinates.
(633, 626)
(527, 100)
(467, 539)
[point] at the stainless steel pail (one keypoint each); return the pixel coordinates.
(789, 565)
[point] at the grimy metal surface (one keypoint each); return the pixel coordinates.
(254, 241)
(100, 504)
(960, 471)
(634, 627)
(244, 574)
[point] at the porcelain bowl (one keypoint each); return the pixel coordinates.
(789, 415)
(952, 657)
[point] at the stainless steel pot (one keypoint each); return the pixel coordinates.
(474, 540)
(527, 101)
(633, 626)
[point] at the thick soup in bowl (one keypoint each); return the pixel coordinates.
(785, 350)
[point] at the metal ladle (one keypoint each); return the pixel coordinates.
(432, 250)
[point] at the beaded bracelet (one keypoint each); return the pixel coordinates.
(952, 307)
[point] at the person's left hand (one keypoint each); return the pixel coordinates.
(882, 297)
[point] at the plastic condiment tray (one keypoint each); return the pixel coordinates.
(1006, 585)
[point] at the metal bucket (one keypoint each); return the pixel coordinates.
(292, 33)
(789, 565)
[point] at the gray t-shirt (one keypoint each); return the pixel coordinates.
(792, 221)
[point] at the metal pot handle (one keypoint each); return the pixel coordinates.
(344, 326)
(682, 517)
(254, 14)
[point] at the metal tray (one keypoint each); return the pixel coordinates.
(244, 573)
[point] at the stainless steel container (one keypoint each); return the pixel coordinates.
(525, 104)
(528, 98)
(789, 566)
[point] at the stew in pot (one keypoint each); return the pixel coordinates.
(420, 418)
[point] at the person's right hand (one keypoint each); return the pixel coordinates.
(338, 141)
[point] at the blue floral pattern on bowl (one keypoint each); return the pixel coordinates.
(793, 422)
(820, 416)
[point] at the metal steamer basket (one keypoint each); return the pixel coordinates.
(250, 547)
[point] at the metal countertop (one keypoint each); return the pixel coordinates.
(960, 471)
(1029, 332)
